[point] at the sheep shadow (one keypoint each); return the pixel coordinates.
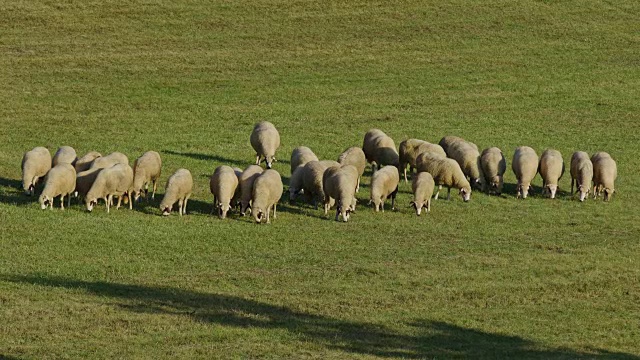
(11, 192)
(425, 339)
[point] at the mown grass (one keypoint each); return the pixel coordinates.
(493, 278)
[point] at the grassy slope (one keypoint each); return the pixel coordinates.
(492, 278)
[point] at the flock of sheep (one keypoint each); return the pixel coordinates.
(453, 163)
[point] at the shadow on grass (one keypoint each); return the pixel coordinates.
(221, 159)
(427, 339)
(11, 192)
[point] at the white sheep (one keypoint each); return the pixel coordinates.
(447, 141)
(354, 156)
(384, 183)
(312, 180)
(492, 167)
(66, 155)
(223, 185)
(267, 190)
(60, 181)
(35, 165)
(300, 156)
(379, 149)
(525, 167)
(178, 188)
(551, 169)
(445, 172)
(265, 140)
(339, 185)
(422, 186)
(246, 181)
(468, 157)
(84, 163)
(116, 180)
(410, 150)
(581, 173)
(108, 161)
(146, 169)
(605, 173)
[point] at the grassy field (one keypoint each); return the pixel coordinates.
(492, 278)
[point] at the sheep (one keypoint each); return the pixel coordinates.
(339, 185)
(235, 201)
(36, 163)
(116, 180)
(246, 180)
(300, 156)
(178, 188)
(84, 181)
(467, 156)
(267, 190)
(379, 149)
(409, 151)
(108, 161)
(525, 167)
(447, 141)
(551, 169)
(605, 173)
(146, 169)
(384, 183)
(492, 167)
(223, 185)
(312, 180)
(422, 186)
(61, 180)
(84, 163)
(265, 140)
(66, 155)
(354, 156)
(445, 172)
(296, 183)
(581, 173)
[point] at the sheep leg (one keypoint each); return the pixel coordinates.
(338, 213)
(69, 200)
(61, 201)
(180, 207)
(393, 203)
(274, 210)
(384, 199)
(119, 201)
(405, 174)
(130, 201)
(184, 209)
(572, 180)
(257, 159)
(438, 192)
(448, 193)
(108, 201)
(268, 218)
(429, 205)
(155, 185)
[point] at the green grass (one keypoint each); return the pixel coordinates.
(493, 278)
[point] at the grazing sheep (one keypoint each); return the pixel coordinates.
(312, 180)
(84, 163)
(379, 149)
(445, 172)
(64, 155)
(296, 183)
(354, 156)
(468, 157)
(409, 151)
(525, 167)
(35, 164)
(223, 185)
(581, 173)
(422, 186)
(84, 181)
(384, 183)
(339, 185)
(247, 178)
(267, 190)
(108, 161)
(60, 181)
(551, 169)
(447, 141)
(492, 167)
(116, 180)
(178, 188)
(605, 173)
(265, 140)
(300, 156)
(146, 169)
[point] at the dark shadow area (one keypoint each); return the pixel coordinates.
(8, 357)
(11, 192)
(231, 162)
(428, 338)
